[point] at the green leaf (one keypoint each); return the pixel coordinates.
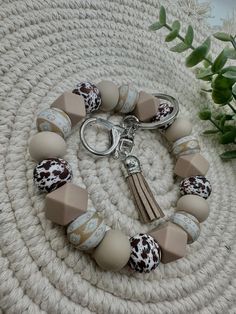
(227, 137)
(228, 128)
(222, 36)
(205, 62)
(222, 122)
(209, 132)
(204, 115)
(220, 82)
(227, 116)
(231, 53)
(181, 47)
(230, 75)
(205, 75)
(198, 54)
(219, 62)
(234, 90)
(221, 96)
(228, 155)
(155, 26)
(162, 16)
(175, 31)
(188, 39)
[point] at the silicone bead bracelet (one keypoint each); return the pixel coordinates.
(66, 203)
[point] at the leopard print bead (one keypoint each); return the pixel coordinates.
(91, 94)
(197, 185)
(52, 173)
(145, 253)
(163, 111)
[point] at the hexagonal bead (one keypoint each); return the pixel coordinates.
(71, 104)
(172, 240)
(66, 203)
(146, 107)
(191, 165)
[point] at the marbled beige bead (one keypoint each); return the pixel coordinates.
(172, 240)
(185, 146)
(86, 231)
(188, 223)
(113, 252)
(72, 104)
(128, 98)
(54, 120)
(46, 144)
(109, 95)
(194, 205)
(66, 203)
(191, 165)
(179, 128)
(146, 107)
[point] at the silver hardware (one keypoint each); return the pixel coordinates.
(122, 136)
(131, 165)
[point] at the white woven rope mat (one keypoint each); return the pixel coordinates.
(46, 47)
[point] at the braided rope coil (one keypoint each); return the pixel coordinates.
(46, 47)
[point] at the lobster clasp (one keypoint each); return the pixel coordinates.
(121, 136)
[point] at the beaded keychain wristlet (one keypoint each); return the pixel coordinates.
(66, 203)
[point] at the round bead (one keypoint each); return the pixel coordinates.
(185, 146)
(163, 111)
(194, 205)
(46, 144)
(91, 94)
(109, 94)
(188, 223)
(54, 120)
(52, 173)
(128, 98)
(179, 128)
(113, 252)
(146, 253)
(86, 231)
(197, 185)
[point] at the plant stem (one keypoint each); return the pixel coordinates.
(216, 125)
(229, 104)
(233, 43)
(191, 46)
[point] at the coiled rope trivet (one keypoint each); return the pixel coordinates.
(66, 203)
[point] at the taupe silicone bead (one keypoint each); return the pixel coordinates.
(113, 252)
(179, 128)
(66, 203)
(72, 104)
(172, 240)
(109, 94)
(194, 205)
(46, 144)
(191, 165)
(146, 107)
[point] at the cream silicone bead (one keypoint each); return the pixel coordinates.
(113, 252)
(179, 128)
(109, 95)
(54, 120)
(128, 98)
(194, 205)
(46, 144)
(188, 223)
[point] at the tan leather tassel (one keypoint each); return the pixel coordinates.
(147, 206)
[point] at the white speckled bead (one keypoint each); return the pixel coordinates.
(188, 223)
(86, 231)
(179, 128)
(46, 144)
(185, 146)
(128, 98)
(109, 95)
(54, 120)
(194, 205)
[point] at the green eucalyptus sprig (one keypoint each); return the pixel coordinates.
(221, 78)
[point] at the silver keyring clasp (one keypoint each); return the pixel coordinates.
(115, 134)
